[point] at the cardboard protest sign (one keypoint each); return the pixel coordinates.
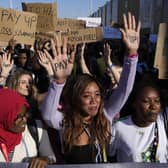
(22, 25)
(44, 36)
(69, 24)
(83, 35)
(3, 44)
(46, 15)
(161, 55)
(75, 36)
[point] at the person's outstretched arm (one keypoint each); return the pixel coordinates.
(50, 106)
(62, 65)
(82, 61)
(131, 39)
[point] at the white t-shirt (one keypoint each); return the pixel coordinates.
(26, 148)
(129, 140)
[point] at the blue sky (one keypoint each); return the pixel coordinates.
(65, 8)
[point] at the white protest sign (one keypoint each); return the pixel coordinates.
(91, 21)
(111, 33)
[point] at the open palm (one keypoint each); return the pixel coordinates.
(61, 61)
(131, 32)
(6, 64)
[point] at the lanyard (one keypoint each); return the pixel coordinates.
(98, 158)
(155, 144)
(4, 151)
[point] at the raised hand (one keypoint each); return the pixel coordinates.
(131, 33)
(112, 71)
(62, 62)
(45, 62)
(107, 54)
(82, 61)
(6, 64)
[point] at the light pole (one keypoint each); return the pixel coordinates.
(11, 4)
(91, 7)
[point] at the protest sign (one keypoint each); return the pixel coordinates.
(69, 24)
(153, 38)
(91, 21)
(45, 36)
(3, 44)
(21, 25)
(161, 55)
(111, 33)
(83, 35)
(46, 15)
(75, 36)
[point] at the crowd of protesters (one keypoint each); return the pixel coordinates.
(87, 103)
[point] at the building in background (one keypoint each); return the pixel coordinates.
(150, 12)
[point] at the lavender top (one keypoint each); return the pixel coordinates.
(53, 117)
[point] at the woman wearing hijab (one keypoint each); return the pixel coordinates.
(16, 142)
